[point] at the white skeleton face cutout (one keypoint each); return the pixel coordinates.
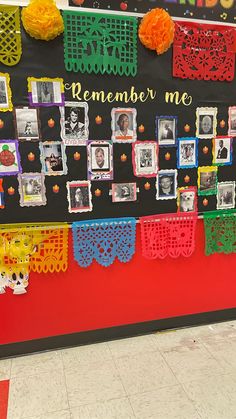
(3, 280)
(18, 281)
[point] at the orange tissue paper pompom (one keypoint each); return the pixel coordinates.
(156, 30)
(42, 20)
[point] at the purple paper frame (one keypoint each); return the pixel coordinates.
(45, 105)
(2, 142)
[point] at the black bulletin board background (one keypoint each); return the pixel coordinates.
(41, 59)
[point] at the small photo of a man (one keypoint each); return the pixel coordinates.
(222, 151)
(166, 184)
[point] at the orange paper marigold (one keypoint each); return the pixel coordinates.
(42, 20)
(156, 30)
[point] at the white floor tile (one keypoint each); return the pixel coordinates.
(166, 403)
(111, 409)
(36, 364)
(62, 414)
(224, 352)
(91, 385)
(132, 346)
(144, 372)
(38, 394)
(168, 340)
(85, 355)
(5, 369)
(215, 333)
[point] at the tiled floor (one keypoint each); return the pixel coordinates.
(184, 374)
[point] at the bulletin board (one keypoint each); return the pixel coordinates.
(153, 92)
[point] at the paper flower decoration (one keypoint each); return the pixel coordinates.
(42, 20)
(156, 30)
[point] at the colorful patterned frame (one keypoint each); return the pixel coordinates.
(192, 140)
(206, 112)
(33, 102)
(167, 117)
(207, 169)
(7, 105)
(34, 138)
(32, 203)
(64, 170)
(79, 184)
(100, 174)
(225, 206)
(17, 158)
(231, 110)
(230, 150)
(152, 171)
(187, 189)
(70, 140)
(162, 173)
(119, 138)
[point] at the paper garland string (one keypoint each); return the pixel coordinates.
(168, 234)
(10, 35)
(203, 52)
(100, 43)
(220, 232)
(104, 240)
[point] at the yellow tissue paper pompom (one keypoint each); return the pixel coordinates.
(42, 20)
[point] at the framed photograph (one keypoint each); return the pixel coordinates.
(166, 184)
(123, 125)
(9, 158)
(222, 150)
(225, 195)
(53, 158)
(74, 123)
(5, 93)
(207, 180)
(232, 121)
(187, 199)
(187, 153)
(145, 158)
(124, 192)
(46, 92)
(206, 122)
(27, 124)
(32, 189)
(166, 130)
(79, 196)
(100, 160)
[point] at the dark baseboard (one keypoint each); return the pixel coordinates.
(112, 333)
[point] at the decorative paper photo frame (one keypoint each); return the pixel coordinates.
(74, 123)
(225, 195)
(222, 151)
(187, 152)
(5, 93)
(232, 121)
(53, 158)
(32, 189)
(79, 196)
(166, 130)
(206, 122)
(187, 199)
(166, 184)
(10, 163)
(207, 180)
(124, 125)
(145, 158)
(100, 160)
(46, 91)
(27, 123)
(124, 192)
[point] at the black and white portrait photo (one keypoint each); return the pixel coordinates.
(3, 93)
(100, 160)
(187, 152)
(27, 124)
(74, 123)
(207, 180)
(53, 158)
(222, 153)
(225, 195)
(166, 130)
(145, 158)
(124, 192)
(46, 92)
(232, 121)
(32, 189)
(166, 184)
(206, 122)
(123, 124)
(79, 196)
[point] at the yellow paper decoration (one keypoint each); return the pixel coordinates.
(10, 36)
(5, 92)
(42, 20)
